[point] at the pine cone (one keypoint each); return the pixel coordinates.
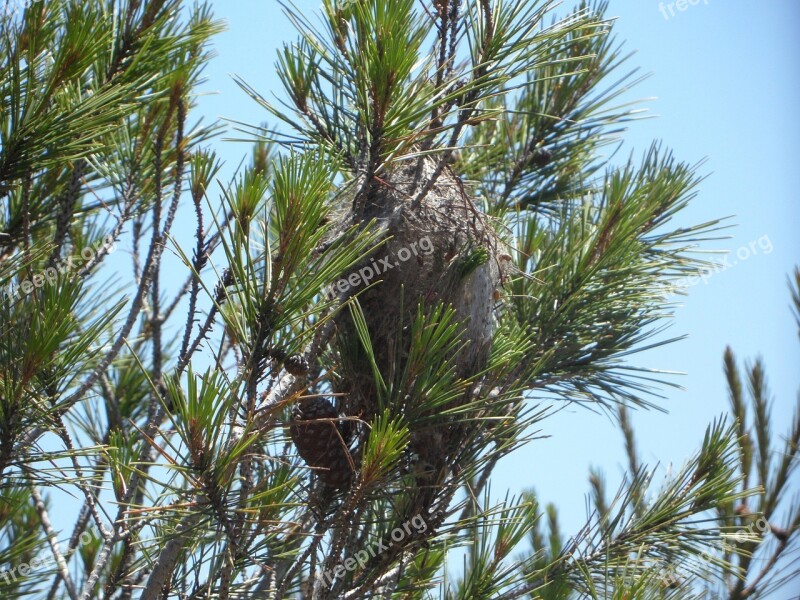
(296, 364)
(315, 432)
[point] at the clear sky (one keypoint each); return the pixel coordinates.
(726, 87)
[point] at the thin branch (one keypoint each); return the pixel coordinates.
(52, 538)
(67, 203)
(169, 556)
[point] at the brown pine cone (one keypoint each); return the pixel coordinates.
(296, 364)
(314, 430)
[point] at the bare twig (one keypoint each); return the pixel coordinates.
(52, 538)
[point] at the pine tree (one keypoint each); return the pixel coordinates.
(427, 252)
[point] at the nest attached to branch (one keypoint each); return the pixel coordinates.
(439, 249)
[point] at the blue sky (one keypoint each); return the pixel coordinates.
(726, 87)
